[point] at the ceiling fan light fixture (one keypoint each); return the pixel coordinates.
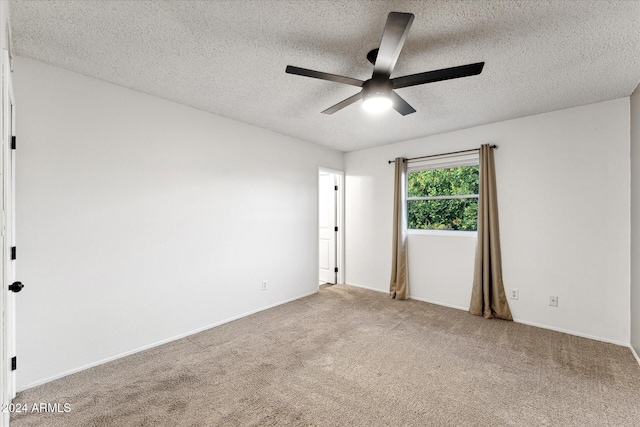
(376, 96)
(378, 93)
(376, 104)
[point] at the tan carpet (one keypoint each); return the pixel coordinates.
(349, 356)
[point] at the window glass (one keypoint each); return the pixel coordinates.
(443, 199)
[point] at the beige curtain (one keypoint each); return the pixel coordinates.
(399, 280)
(487, 297)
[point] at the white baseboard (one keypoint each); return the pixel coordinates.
(430, 301)
(633, 351)
(367, 287)
(231, 319)
(459, 307)
(567, 331)
(158, 343)
(525, 322)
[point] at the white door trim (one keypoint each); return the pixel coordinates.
(340, 221)
(327, 228)
(7, 275)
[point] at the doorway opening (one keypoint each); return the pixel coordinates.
(330, 227)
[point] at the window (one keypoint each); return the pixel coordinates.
(442, 194)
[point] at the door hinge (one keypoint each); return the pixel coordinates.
(336, 188)
(336, 269)
(13, 252)
(14, 363)
(13, 142)
(336, 229)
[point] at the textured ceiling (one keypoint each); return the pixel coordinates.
(229, 57)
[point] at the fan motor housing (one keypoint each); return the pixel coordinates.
(376, 88)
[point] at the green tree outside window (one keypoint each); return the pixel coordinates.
(443, 199)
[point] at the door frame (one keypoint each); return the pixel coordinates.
(7, 299)
(339, 220)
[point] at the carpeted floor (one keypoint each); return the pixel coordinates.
(352, 357)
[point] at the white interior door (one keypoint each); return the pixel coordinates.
(7, 167)
(327, 228)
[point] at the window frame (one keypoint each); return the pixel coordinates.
(440, 162)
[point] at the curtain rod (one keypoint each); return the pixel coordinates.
(444, 154)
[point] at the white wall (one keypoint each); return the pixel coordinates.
(4, 17)
(140, 220)
(563, 191)
(635, 220)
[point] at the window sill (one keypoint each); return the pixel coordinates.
(451, 233)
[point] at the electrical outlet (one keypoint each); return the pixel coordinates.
(515, 293)
(264, 285)
(553, 301)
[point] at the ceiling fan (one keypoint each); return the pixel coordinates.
(378, 92)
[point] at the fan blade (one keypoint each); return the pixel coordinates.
(437, 75)
(400, 105)
(323, 76)
(340, 105)
(395, 33)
